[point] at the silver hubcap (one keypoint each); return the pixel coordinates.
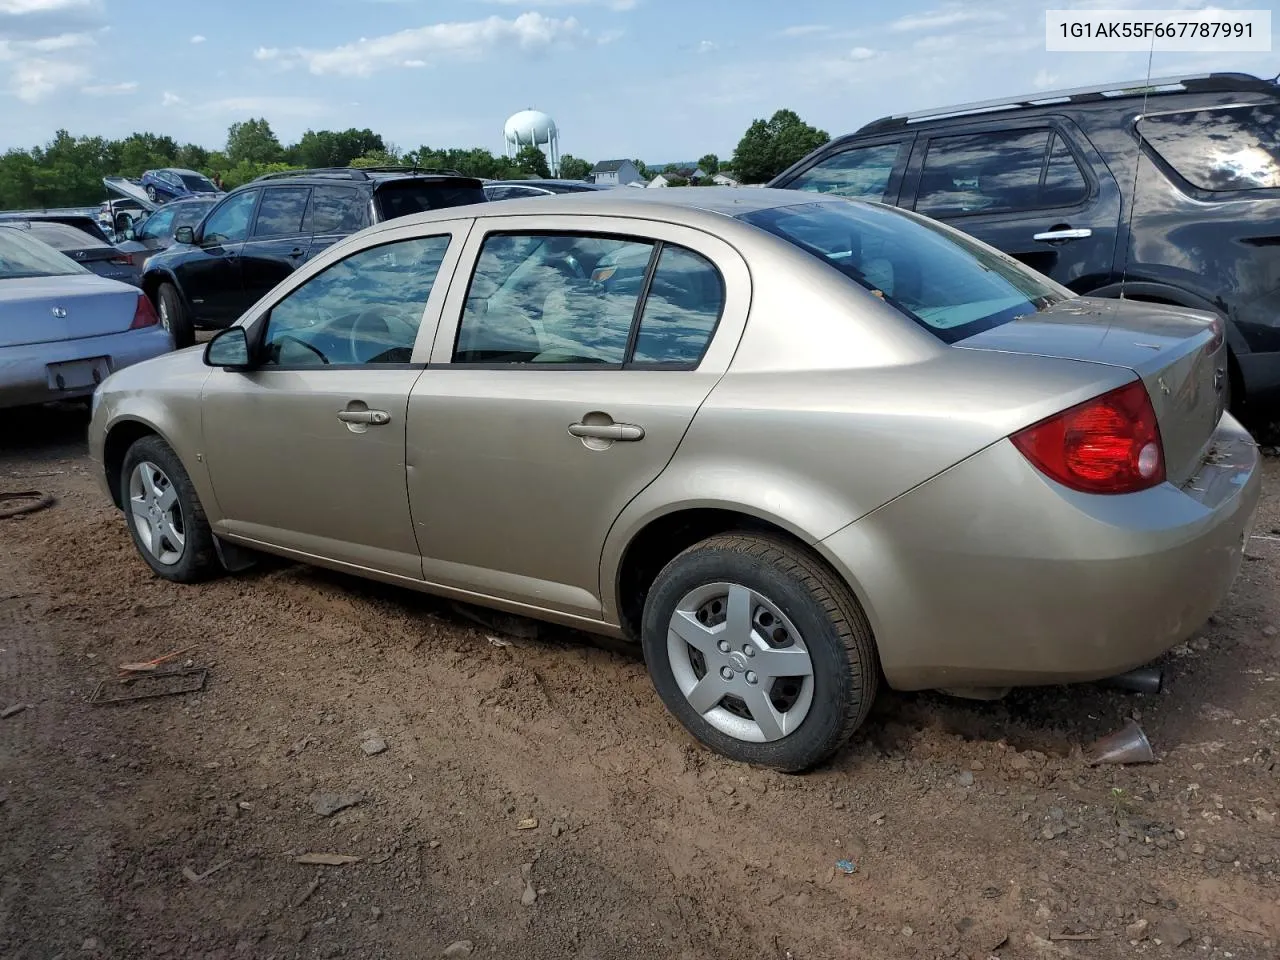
(740, 662)
(164, 314)
(157, 515)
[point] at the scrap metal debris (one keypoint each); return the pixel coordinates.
(148, 666)
(1127, 745)
(24, 501)
(147, 686)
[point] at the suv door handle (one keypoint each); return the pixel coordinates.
(374, 418)
(606, 431)
(296, 252)
(1063, 233)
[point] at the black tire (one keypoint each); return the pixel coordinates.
(151, 194)
(175, 316)
(199, 558)
(846, 669)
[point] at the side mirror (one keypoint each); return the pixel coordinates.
(184, 235)
(228, 349)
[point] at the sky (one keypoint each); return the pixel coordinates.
(655, 79)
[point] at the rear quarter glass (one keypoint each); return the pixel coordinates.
(402, 199)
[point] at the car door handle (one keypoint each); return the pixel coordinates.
(606, 431)
(374, 418)
(1065, 233)
(296, 252)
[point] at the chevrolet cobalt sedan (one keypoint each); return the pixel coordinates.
(795, 446)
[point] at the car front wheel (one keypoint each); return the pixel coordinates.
(761, 652)
(164, 514)
(174, 317)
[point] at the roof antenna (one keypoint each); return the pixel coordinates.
(1137, 169)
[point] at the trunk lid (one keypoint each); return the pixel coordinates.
(1167, 347)
(93, 307)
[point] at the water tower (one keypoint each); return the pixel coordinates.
(533, 127)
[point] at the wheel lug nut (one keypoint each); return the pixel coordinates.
(749, 650)
(751, 677)
(726, 673)
(724, 646)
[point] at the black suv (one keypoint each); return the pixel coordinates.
(1168, 190)
(261, 232)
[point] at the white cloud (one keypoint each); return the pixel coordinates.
(263, 106)
(198, 38)
(33, 80)
(110, 89)
(804, 30)
(366, 56)
(63, 41)
(19, 7)
(171, 100)
(947, 16)
(266, 53)
(1044, 80)
(861, 53)
(611, 4)
(706, 46)
(414, 64)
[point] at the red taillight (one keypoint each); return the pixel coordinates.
(144, 314)
(1110, 444)
(123, 260)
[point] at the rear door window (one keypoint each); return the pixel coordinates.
(995, 172)
(335, 210)
(1220, 150)
(281, 211)
(863, 173)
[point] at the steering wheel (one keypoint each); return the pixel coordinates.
(365, 319)
(302, 343)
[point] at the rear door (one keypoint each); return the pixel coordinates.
(333, 213)
(556, 394)
(1035, 189)
(278, 242)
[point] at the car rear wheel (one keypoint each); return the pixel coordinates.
(151, 193)
(759, 651)
(174, 317)
(164, 514)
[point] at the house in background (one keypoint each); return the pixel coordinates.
(614, 173)
(725, 178)
(689, 175)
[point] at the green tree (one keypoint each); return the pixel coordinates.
(532, 162)
(572, 168)
(376, 158)
(335, 148)
(770, 146)
(710, 164)
(645, 172)
(253, 141)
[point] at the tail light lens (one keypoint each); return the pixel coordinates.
(123, 260)
(144, 314)
(1110, 444)
(1218, 333)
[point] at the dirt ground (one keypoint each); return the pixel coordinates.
(976, 829)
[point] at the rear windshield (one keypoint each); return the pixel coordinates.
(21, 256)
(402, 198)
(947, 283)
(1227, 148)
(60, 236)
(197, 184)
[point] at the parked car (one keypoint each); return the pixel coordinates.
(117, 216)
(63, 329)
(1168, 191)
(173, 183)
(81, 239)
(786, 480)
(156, 232)
(261, 232)
(510, 189)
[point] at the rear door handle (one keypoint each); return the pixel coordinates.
(1066, 233)
(374, 418)
(296, 252)
(606, 431)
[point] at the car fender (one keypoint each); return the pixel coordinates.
(152, 278)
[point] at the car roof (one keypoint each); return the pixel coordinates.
(689, 204)
(374, 175)
(181, 170)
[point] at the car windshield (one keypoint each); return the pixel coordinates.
(418, 196)
(23, 256)
(952, 286)
(197, 183)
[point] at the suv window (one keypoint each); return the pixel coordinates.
(1228, 148)
(552, 299)
(230, 221)
(991, 172)
(399, 198)
(337, 210)
(281, 211)
(681, 309)
(159, 224)
(189, 214)
(945, 281)
(859, 172)
(363, 310)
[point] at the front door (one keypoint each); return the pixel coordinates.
(277, 244)
(1035, 190)
(558, 391)
(307, 451)
(210, 274)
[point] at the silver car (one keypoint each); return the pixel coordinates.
(794, 446)
(63, 329)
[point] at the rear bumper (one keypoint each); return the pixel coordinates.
(992, 575)
(24, 376)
